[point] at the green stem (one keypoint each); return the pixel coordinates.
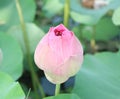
(93, 42)
(35, 80)
(28, 93)
(66, 12)
(57, 89)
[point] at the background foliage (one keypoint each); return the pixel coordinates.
(97, 29)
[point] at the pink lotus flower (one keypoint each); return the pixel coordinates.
(59, 54)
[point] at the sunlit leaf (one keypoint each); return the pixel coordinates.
(104, 30)
(52, 7)
(90, 16)
(99, 77)
(9, 15)
(116, 16)
(10, 89)
(12, 56)
(64, 96)
(34, 35)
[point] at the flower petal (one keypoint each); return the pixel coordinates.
(55, 79)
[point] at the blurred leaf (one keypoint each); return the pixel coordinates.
(9, 15)
(87, 32)
(104, 30)
(64, 96)
(90, 16)
(116, 16)
(34, 34)
(10, 89)
(12, 56)
(1, 55)
(99, 77)
(52, 7)
(78, 31)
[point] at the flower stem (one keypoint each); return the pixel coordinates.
(35, 80)
(66, 12)
(92, 41)
(57, 89)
